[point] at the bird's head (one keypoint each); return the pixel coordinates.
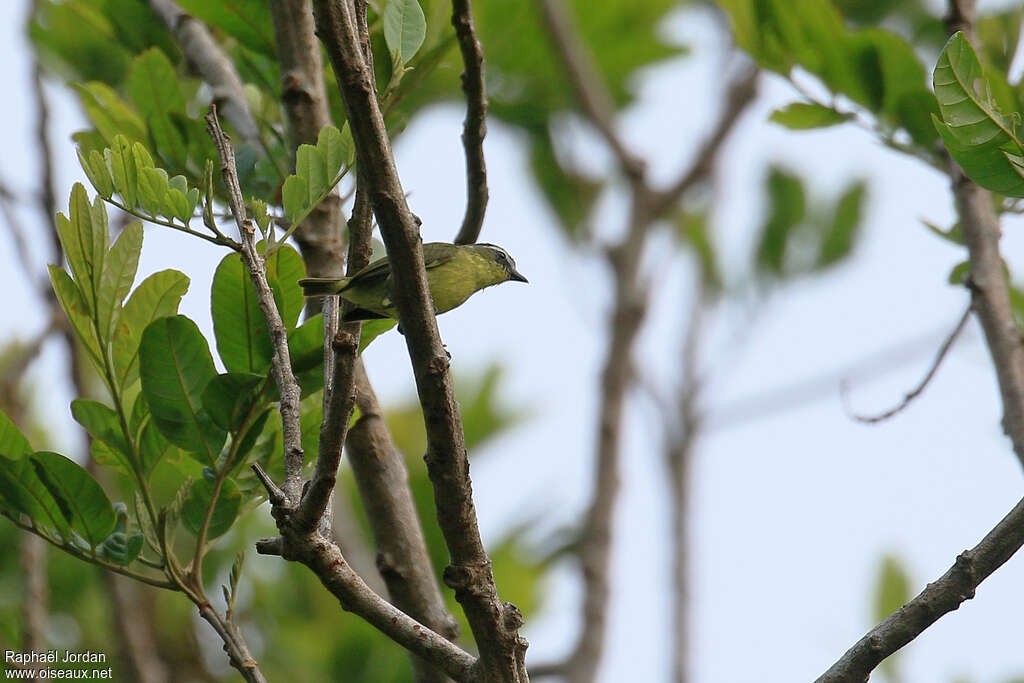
(497, 264)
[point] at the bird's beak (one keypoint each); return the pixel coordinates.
(517, 276)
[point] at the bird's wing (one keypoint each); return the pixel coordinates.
(434, 254)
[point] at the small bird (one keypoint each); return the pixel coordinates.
(454, 273)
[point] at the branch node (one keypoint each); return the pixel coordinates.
(274, 494)
(270, 546)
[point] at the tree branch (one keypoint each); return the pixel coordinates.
(494, 623)
(201, 50)
(990, 295)
(475, 126)
(281, 368)
(301, 542)
(940, 597)
(991, 303)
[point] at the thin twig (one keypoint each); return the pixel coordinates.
(475, 126)
(916, 391)
(281, 368)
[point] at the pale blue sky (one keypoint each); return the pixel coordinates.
(792, 512)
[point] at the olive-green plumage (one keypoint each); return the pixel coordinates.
(454, 273)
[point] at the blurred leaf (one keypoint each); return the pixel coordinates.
(156, 297)
(404, 27)
(570, 195)
(955, 234)
(225, 510)
(175, 366)
(841, 233)
(999, 36)
(247, 21)
(786, 210)
(961, 271)
(108, 112)
(79, 496)
(153, 85)
(892, 591)
(803, 116)
(692, 228)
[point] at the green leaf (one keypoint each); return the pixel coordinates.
(84, 238)
(76, 491)
(312, 168)
(243, 341)
(786, 211)
(153, 85)
(153, 189)
(225, 510)
(241, 330)
(306, 344)
(294, 195)
(122, 548)
(156, 297)
(976, 134)
(103, 424)
(153, 447)
(230, 397)
(71, 300)
(111, 116)
(842, 231)
(372, 329)
(404, 27)
(121, 161)
(175, 366)
(335, 149)
(21, 491)
(803, 116)
(118, 275)
(13, 444)
(95, 167)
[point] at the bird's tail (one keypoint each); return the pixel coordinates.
(321, 286)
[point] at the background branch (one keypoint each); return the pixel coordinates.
(203, 53)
